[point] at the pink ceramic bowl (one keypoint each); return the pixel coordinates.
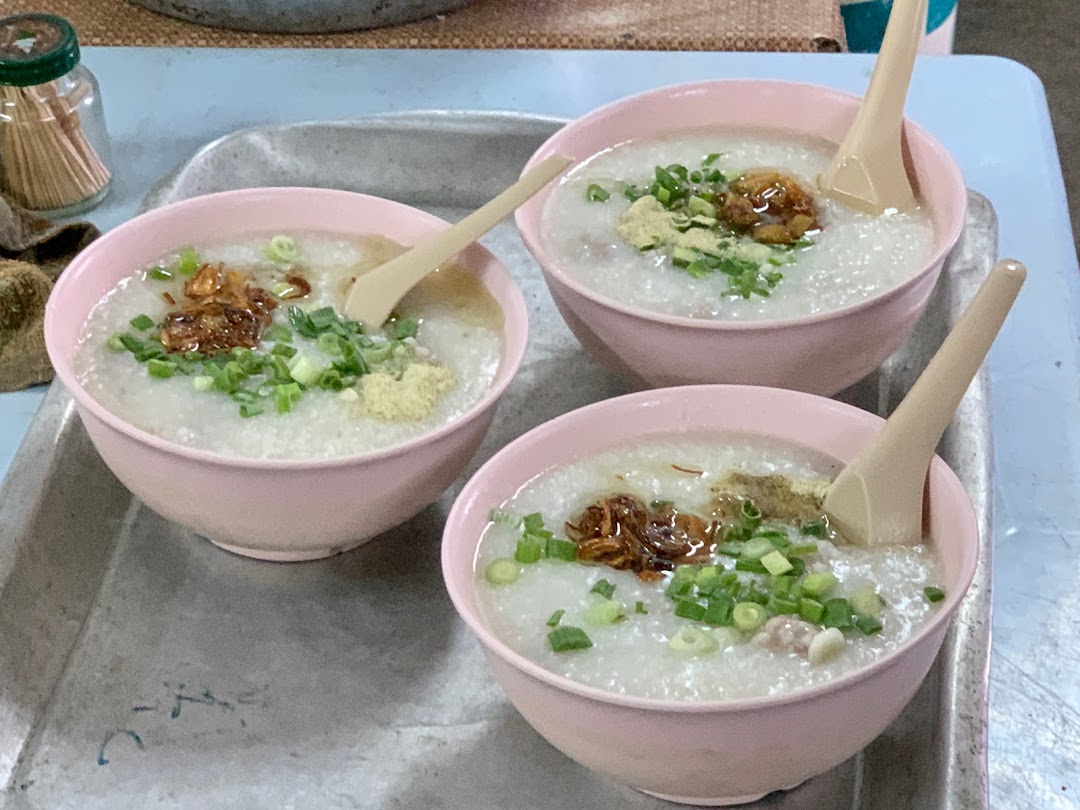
(719, 752)
(275, 509)
(820, 354)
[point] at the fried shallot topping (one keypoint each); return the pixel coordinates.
(771, 206)
(223, 312)
(621, 532)
(300, 287)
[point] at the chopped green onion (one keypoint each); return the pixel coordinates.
(684, 573)
(285, 396)
(750, 566)
(702, 207)
(750, 515)
(555, 618)
(278, 334)
(249, 410)
(757, 548)
(502, 571)
(404, 328)
(682, 256)
(323, 318)
(503, 518)
(776, 563)
(639, 607)
(162, 369)
(558, 549)
(595, 193)
(754, 595)
(730, 549)
(692, 641)
(707, 575)
(837, 614)
(304, 370)
(245, 396)
(202, 382)
(280, 369)
(689, 609)
(142, 322)
(933, 594)
(819, 584)
(867, 601)
(748, 616)
(283, 350)
(115, 344)
(696, 177)
(610, 611)
(699, 268)
(282, 249)
(301, 323)
(811, 610)
(330, 343)
(159, 274)
(736, 534)
(781, 605)
(677, 589)
(188, 262)
(867, 625)
(814, 528)
(781, 585)
(711, 159)
(678, 170)
(799, 549)
(778, 537)
(604, 588)
(719, 611)
(529, 550)
(568, 639)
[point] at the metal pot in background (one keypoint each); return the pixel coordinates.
(299, 16)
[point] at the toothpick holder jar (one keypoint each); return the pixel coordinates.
(54, 149)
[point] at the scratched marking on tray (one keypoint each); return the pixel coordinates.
(108, 738)
(179, 697)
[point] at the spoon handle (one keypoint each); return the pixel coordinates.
(916, 426)
(885, 97)
(374, 296)
(876, 498)
(868, 171)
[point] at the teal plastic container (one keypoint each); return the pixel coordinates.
(865, 20)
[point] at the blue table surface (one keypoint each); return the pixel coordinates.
(991, 113)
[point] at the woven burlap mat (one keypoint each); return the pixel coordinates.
(687, 25)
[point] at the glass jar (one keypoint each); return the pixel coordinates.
(54, 149)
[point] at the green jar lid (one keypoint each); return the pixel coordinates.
(36, 48)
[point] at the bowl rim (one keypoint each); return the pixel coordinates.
(513, 351)
(463, 599)
(552, 269)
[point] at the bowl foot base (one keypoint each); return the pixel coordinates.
(305, 555)
(713, 801)
(726, 801)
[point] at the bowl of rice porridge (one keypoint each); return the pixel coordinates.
(207, 352)
(691, 244)
(658, 567)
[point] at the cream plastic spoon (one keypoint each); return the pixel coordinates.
(878, 498)
(868, 172)
(375, 294)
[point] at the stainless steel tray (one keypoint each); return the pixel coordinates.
(140, 665)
